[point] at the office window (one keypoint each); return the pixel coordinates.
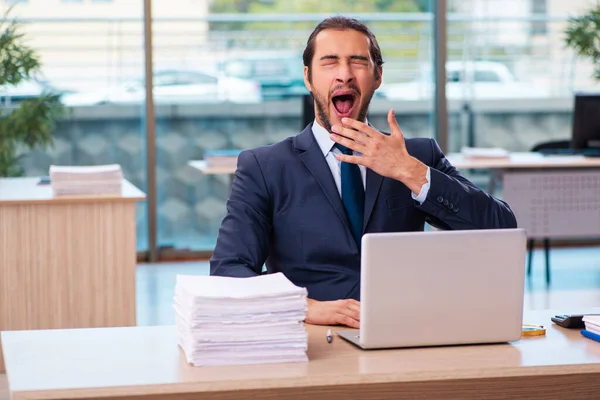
(252, 91)
(539, 8)
(515, 59)
(96, 66)
(486, 76)
(15, 1)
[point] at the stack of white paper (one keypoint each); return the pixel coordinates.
(224, 320)
(82, 180)
(484, 153)
(592, 323)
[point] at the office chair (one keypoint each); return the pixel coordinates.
(546, 148)
(308, 110)
(530, 244)
(552, 146)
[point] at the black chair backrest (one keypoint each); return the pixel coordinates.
(552, 145)
(308, 110)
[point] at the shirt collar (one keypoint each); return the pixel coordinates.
(322, 137)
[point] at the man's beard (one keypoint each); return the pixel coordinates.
(322, 109)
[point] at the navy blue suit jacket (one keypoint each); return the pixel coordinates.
(284, 209)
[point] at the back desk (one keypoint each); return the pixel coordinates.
(146, 363)
(551, 196)
(66, 261)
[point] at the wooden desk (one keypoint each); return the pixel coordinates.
(146, 363)
(68, 261)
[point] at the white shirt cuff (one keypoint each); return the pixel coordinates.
(424, 189)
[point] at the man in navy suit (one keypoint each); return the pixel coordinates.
(302, 205)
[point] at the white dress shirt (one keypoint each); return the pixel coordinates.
(329, 152)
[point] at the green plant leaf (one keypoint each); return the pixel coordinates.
(29, 125)
(18, 62)
(582, 34)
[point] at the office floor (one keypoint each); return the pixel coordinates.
(575, 283)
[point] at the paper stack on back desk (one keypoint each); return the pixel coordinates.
(221, 158)
(84, 180)
(224, 320)
(484, 153)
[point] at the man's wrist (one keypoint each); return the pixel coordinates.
(414, 177)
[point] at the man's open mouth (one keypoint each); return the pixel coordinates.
(343, 102)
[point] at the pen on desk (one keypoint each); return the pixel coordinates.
(329, 337)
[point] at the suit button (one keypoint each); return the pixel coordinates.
(446, 202)
(451, 206)
(440, 199)
(455, 209)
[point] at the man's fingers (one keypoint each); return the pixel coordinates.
(361, 127)
(350, 159)
(394, 127)
(349, 321)
(349, 143)
(349, 133)
(354, 307)
(351, 311)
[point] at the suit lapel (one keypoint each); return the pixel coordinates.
(373, 185)
(312, 157)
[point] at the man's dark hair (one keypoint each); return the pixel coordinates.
(342, 23)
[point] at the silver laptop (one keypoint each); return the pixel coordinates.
(440, 288)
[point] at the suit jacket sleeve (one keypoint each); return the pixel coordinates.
(455, 203)
(243, 241)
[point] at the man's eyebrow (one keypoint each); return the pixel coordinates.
(329, 57)
(352, 57)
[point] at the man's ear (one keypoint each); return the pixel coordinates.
(306, 80)
(379, 77)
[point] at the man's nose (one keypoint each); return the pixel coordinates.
(344, 74)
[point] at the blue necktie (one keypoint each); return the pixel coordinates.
(353, 195)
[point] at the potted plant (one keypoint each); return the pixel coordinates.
(25, 123)
(583, 35)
